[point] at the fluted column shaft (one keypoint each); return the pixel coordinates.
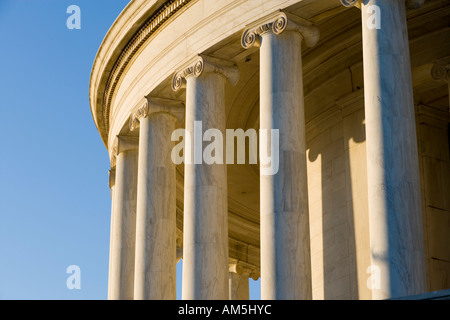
(285, 243)
(205, 199)
(205, 243)
(124, 221)
(112, 182)
(394, 198)
(155, 264)
(285, 250)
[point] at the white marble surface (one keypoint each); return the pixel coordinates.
(112, 182)
(394, 198)
(205, 243)
(123, 230)
(285, 239)
(155, 269)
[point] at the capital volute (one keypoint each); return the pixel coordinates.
(243, 268)
(123, 144)
(351, 3)
(279, 22)
(414, 4)
(137, 114)
(441, 69)
(112, 177)
(205, 64)
(410, 4)
(154, 105)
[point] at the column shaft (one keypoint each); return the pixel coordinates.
(124, 226)
(205, 244)
(155, 270)
(112, 177)
(395, 215)
(239, 286)
(285, 248)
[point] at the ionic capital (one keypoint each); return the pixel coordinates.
(279, 22)
(153, 105)
(243, 268)
(137, 114)
(112, 177)
(351, 3)
(414, 4)
(124, 143)
(441, 69)
(205, 64)
(410, 4)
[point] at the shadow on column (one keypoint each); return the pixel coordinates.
(332, 148)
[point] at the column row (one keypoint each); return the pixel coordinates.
(143, 224)
(147, 271)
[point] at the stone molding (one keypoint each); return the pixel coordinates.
(205, 64)
(155, 105)
(441, 69)
(430, 114)
(153, 24)
(244, 268)
(279, 22)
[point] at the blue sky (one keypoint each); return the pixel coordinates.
(54, 196)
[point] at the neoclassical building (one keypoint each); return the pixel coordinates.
(358, 93)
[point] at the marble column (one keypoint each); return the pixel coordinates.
(394, 197)
(155, 261)
(124, 219)
(112, 183)
(285, 239)
(239, 275)
(205, 241)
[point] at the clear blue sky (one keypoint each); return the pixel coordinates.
(54, 196)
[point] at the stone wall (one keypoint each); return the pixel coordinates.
(435, 173)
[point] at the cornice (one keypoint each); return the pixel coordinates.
(102, 91)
